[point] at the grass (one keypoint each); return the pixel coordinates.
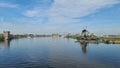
(111, 38)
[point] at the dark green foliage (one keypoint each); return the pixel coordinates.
(1, 39)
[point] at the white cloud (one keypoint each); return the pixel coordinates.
(8, 5)
(36, 12)
(65, 11)
(31, 13)
(39, 9)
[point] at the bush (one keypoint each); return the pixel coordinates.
(1, 39)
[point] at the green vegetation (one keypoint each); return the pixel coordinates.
(114, 40)
(92, 37)
(1, 39)
(111, 38)
(107, 40)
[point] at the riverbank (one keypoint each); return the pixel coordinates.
(107, 40)
(114, 40)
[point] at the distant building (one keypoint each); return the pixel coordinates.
(1, 36)
(6, 35)
(55, 35)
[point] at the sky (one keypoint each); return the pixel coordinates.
(60, 16)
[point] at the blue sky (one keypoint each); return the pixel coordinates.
(60, 16)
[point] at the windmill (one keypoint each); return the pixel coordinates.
(85, 34)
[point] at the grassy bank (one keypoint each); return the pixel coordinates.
(109, 40)
(114, 40)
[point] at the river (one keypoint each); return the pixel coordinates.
(57, 53)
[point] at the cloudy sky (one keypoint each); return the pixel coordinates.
(60, 16)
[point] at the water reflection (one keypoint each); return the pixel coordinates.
(84, 47)
(6, 43)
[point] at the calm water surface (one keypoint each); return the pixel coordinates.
(57, 53)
